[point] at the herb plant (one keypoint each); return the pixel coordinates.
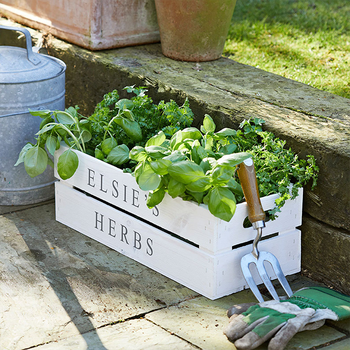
(200, 165)
(168, 155)
(107, 134)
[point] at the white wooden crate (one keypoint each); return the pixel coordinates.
(203, 254)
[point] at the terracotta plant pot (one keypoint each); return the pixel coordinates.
(92, 24)
(194, 30)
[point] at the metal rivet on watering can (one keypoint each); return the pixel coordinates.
(34, 81)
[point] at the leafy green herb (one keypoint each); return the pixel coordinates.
(133, 121)
(167, 154)
(200, 165)
(116, 125)
(278, 169)
(56, 126)
(191, 165)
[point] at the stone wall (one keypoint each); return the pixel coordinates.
(311, 121)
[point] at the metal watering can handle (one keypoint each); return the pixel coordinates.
(32, 57)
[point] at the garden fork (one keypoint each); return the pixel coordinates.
(256, 216)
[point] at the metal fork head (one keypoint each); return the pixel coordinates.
(259, 262)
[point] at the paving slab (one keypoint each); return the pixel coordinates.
(56, 282)
(134, 334)
(342, 345)
(202, 323)
(61, 290)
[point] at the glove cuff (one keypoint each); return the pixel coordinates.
(322, 298)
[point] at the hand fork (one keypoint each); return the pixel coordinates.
(256, 216)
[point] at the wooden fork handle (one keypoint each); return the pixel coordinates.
(247, 176)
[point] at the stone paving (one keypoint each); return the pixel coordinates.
(61, 290)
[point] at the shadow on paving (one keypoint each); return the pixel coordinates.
(49, 264)
(57, 283)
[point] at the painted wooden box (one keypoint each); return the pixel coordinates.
(178, 239)
(92, 24)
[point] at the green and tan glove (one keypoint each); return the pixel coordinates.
(307, 309)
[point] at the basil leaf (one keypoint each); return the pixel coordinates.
(233, 159)
(222, 203)
(147, 179)
(185, 171)
(156, 140)
(67, 164)
(124, 103)
(23, 152)
(64, 117)
(45, 121)
(35, 161)
(175, 188)
(118, 155)
(85, 135)
(72, 111)
(44, 113)
(226, 132)
(160, 166)
(138, 153)
(108, 144)
(50, 162)
(208, 142)
(128, 114)
(99, 154)
(175, 156)
(208, 163)
(196, 196)
(181, 135)
(198, 152)
(131, 128)
(156, 151)
(235, 187)
(200, 185)
(222, 174)
(51, 143)
(154, 198)
(228, 149)
(191, 133)
(46, 128)
(208, 124)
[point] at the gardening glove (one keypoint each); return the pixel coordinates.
(307, 309)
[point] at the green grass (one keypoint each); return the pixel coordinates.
(307, 41)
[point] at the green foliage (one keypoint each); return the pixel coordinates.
(304, 40)
(156, 143)
(278, 170)
(116, 125)
(191, 165)
(201, 166)
(56, 126)
(135, 120)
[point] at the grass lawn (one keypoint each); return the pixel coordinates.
(307, 41)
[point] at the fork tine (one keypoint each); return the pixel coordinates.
(245, 262)
(278, 271)
(264, 276)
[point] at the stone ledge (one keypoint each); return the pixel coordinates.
(325, 255)
(310, 120)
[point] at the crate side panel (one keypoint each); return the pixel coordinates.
(110, 184)
(163, 253)
(288, 219)
(186, 219)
